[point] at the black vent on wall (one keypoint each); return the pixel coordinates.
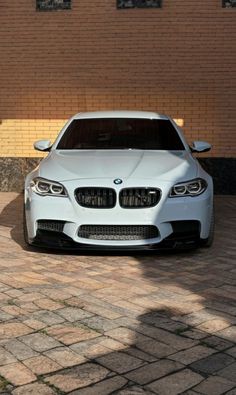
(139, 3)
(50, 5)
(229, 3)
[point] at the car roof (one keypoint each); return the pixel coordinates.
(120, 114)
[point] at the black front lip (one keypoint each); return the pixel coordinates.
(60, 241)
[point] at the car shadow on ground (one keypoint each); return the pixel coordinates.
(176, 329)
(12, 217)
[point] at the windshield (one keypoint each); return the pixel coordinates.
(121, 133)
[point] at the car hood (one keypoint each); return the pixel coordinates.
(136, 164)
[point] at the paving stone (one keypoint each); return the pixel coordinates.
(214, 325)
(41, 365)
(228, 334)
(20, 350)
(134, 390)
(229, 372)
(83, 346)
(78, 377)
(14, 293)
(29, 307)
(15, 311)
(195, 334)
(222, 307)
(126, 335)
(48, 304)
(213, 363)
(157, 320)
(30, 297)
(113, 344)
(105, 387)
(194, 319)
(232, 392)
(76, 302)
(153, 371)
(62, 278)
(100, 323)
(129, 323)
(175, 341)
(65, 357)
(127, 306)
(102, 311)
(34, 389)
(56, 294)
(140, 354)
(17, 373)
(232, 352)
(13, 329)
(192, 354)
(73, 314)
(72, 334)
(4, 297)
(73, 290)
(214, 385)
(89, 347)
(217, 343)
(96, 351)
(48, 317)
(35, 324)
(5, 316)
(155, 348)
(175, 383)
(119, 362)
(40, 342)
(6, 357)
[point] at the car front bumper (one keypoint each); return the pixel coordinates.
(178, 220)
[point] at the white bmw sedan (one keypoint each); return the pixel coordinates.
(119, 180)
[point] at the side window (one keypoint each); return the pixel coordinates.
(139, 3)
(50, 5)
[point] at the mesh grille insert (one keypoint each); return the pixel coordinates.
(118, 232)
(96, 197)
(53, 225)
(139, 197)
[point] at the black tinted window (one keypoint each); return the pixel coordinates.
(121, 133)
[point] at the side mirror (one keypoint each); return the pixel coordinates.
(42, 145)
(200, 146)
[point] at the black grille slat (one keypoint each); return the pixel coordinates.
(118, 232)
(99, 197)
(93, 197)
(139, 197)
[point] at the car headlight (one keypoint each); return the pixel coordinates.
(44, 187)
(189, 188)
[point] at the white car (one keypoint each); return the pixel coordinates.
(119, 180)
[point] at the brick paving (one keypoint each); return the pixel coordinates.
(109, 324)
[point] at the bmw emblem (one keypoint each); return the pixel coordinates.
(117, 181)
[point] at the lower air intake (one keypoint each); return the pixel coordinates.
(118, 232)
(51, 225)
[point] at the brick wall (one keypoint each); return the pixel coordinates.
(179, 60)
